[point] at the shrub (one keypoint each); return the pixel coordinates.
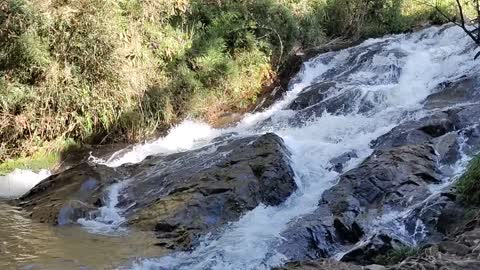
(396, 255)
(468, 186)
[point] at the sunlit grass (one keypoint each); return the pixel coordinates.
(47, 156)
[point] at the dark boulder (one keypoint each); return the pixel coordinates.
(192, 193)
(180, 196)
(453, 120)
(320, 265)
(434, 218)
(65, 197)
(386, 181)
(314, 94)
(368, 251)
(339, 162)
(460, 250)
(440, 128)
(454, 93)
(418, 131)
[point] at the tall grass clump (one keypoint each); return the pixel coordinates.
(468, 186)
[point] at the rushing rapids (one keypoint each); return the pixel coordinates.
(342, 107)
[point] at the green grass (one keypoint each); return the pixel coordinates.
(396, 256)
(104, 71)
(468, 186)
(46, 157)
(36, 162)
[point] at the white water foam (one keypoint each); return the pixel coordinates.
(185, 136)
(428, 58)
(108, 219)
(19, 182)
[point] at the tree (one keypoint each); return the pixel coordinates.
(470, 27)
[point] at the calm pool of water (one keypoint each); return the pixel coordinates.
(28, 245)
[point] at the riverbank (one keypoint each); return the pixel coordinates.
(114, 72)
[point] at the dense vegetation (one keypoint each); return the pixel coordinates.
(395, 256)
(100, 71)
(469, 184)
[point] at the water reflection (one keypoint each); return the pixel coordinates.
(29, 245)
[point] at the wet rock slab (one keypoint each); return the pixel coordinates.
(454, 111)
(460, 250)
(180, 196)
(389, 180)
(64, 198)
(187, 195)
(397, 176)
(320, 265)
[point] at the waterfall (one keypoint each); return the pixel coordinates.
(377, 85)
(389, 77)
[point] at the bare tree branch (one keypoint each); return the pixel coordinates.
(440, 11)
(462, 23)
(474, 34)
(462, 20)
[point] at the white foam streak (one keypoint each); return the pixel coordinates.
(185, 136)
(108, 219)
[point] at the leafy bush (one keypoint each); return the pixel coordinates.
(396, 256)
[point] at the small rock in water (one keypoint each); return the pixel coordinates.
(340, 161)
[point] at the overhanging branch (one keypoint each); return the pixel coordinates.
(474, 34)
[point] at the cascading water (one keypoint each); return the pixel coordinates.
(390, 78)
(109, 218)
(381, 82)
